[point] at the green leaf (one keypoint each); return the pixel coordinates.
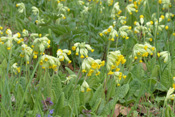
(109, 108)
(166, 78)
(122, 91)
(111, 89)
(97, 95)
(59, 105)
(96, 105)
(74, 101)
(56, 85)
(155, 71)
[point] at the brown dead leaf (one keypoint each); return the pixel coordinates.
(121, 109)
(124, 110)
(144, 66)
(117, 110)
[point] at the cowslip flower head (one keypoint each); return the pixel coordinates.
(62, 54)
(49, 62)
(10, 38)
(130, 8)
(82, 49)
(116, 10)
(21, 7)
(40, 44)
(26, 52)
(85, 86)
(165, 55)
(114, 59)
(142, 50)
(15, 68)
(35, 10)
(89, 66)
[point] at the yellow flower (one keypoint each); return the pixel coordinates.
(88, 89)
(135, 57)
(83, 70)
(73, 48)
(97, 73)
(118, 69)
(19, 35)
(81, 56)
(158, 54)
(145, 47)
(174, 85)
(92, 50)
(69, 52)
(76, 53)
(41, 62)
(19, 41)
(101, 34)
(124, 76)
(141, 16)
(40, 35)
(166, 27)
(34, 56)
(8, 48)
(162, 16)
(110, 73)
(18, 69)
(127, 38)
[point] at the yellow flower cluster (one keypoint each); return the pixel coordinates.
(82, 48)
(111, 31)
(39, 44)
(15, 68)
(89, 66)
(118, 76)
(142, 50)
(62, 54)
(1, 28)
(110, 2)
(26, 52)
(49, 62)
(116, 10)
(8, 40)
(114, 59)
(164, 55)
(85, 86)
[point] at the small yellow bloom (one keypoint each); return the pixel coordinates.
(141, 16)
(158, 54)
(124, 76)
(76, 53)
(83, 70)
(92, 50)
(40, 35)
(166, 27)
(101, 34)
(8, 48)
(110, 73)
(81, 56)
(88, 89)
(127, 38)
(35, 56)
(73, 48)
